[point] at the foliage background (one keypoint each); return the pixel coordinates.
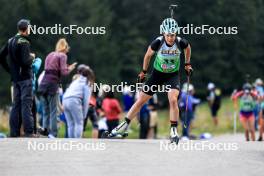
(132, 25)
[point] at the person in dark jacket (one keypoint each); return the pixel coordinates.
(20, 67)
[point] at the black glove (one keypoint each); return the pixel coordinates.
(142, 76)
(188, 69)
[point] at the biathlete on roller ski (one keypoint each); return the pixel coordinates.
(166, 50)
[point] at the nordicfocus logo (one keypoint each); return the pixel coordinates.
(58, 29)
(58, 145)
(172, 30)
(204, 29)
(199, 146)
(123, 87)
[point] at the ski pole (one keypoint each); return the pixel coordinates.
(172, 7)
(187, 101)
(235, 125)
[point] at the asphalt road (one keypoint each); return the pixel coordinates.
(224, 155)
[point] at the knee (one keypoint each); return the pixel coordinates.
(252, 130)
(173, 102)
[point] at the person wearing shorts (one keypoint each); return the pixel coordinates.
(247, 100)
(167, 50)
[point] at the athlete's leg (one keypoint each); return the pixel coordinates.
(174, 109)
(143, 98)
(251, 124)
(122, 127)
(174, 114)
(244, 123)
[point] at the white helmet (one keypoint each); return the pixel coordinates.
(258, 81)
(169, 26)
(191, 88)
(210, 86)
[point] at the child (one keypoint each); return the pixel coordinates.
(75, 101)
(112, 110)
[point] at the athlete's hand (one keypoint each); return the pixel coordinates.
(188, 69)
(142, 76)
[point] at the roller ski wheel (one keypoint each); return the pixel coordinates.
(175, 140)
(108, 135)
(174, 137)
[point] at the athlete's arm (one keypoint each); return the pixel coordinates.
(187, 54)
(153, 47)
(186, 47)
(235, 98)
(237, 95)
(147, 58)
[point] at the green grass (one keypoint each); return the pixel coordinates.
(202, 123)
(4, 122)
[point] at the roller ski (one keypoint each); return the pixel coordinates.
(118, 132)
(174, 137)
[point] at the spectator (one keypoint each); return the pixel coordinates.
(187, 117)
(35, 68)
(214, 100)
(75, 101)
(144, 119)
(128, 98)
(20, 68)
(260, 107)
(153, 121)
(55, 68)
(112, 110)
(61, 114)
(102, 126)
(93, 116)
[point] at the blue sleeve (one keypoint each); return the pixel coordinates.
(195, 100)
(36, 65)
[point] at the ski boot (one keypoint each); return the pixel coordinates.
(118, 132)
(174, 137)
